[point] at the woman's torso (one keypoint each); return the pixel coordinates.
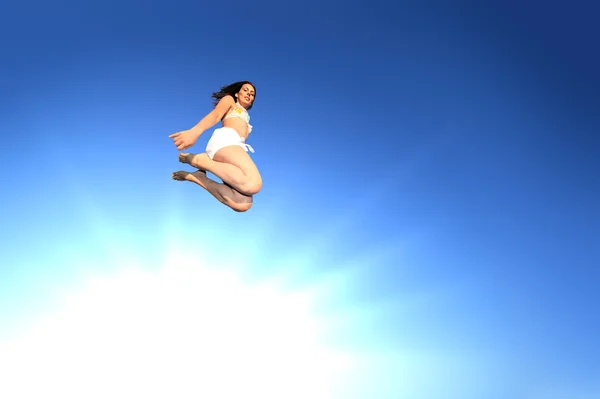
(237, 123)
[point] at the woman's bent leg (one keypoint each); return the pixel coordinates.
(225, 194)
(232, 165)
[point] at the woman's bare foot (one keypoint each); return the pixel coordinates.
(187, 158)
(195, 177)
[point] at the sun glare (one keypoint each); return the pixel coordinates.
(181, 331)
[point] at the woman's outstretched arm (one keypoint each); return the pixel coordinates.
(187, 138)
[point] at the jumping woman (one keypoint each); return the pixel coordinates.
(226, 153)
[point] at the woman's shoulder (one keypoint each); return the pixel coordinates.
(226, 102)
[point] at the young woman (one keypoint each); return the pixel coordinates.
(226, 153)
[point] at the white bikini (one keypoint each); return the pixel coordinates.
(226, 136)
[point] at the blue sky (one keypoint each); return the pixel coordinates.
(429, 169)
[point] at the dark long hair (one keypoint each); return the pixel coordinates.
(232, 90)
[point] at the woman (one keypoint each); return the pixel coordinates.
(226, 153)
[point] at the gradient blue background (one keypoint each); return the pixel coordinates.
(452, 148)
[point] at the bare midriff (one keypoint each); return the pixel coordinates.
(237, 124)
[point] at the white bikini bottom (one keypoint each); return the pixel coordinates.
(224, 137)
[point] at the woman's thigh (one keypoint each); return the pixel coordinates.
(237, 156)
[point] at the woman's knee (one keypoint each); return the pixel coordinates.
(242, 207)
(251, 187)
(237, 201)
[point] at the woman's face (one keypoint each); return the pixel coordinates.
(246, 95)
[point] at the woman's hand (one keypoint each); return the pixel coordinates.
(184, 139)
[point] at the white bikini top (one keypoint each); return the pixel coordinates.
(240, 112)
